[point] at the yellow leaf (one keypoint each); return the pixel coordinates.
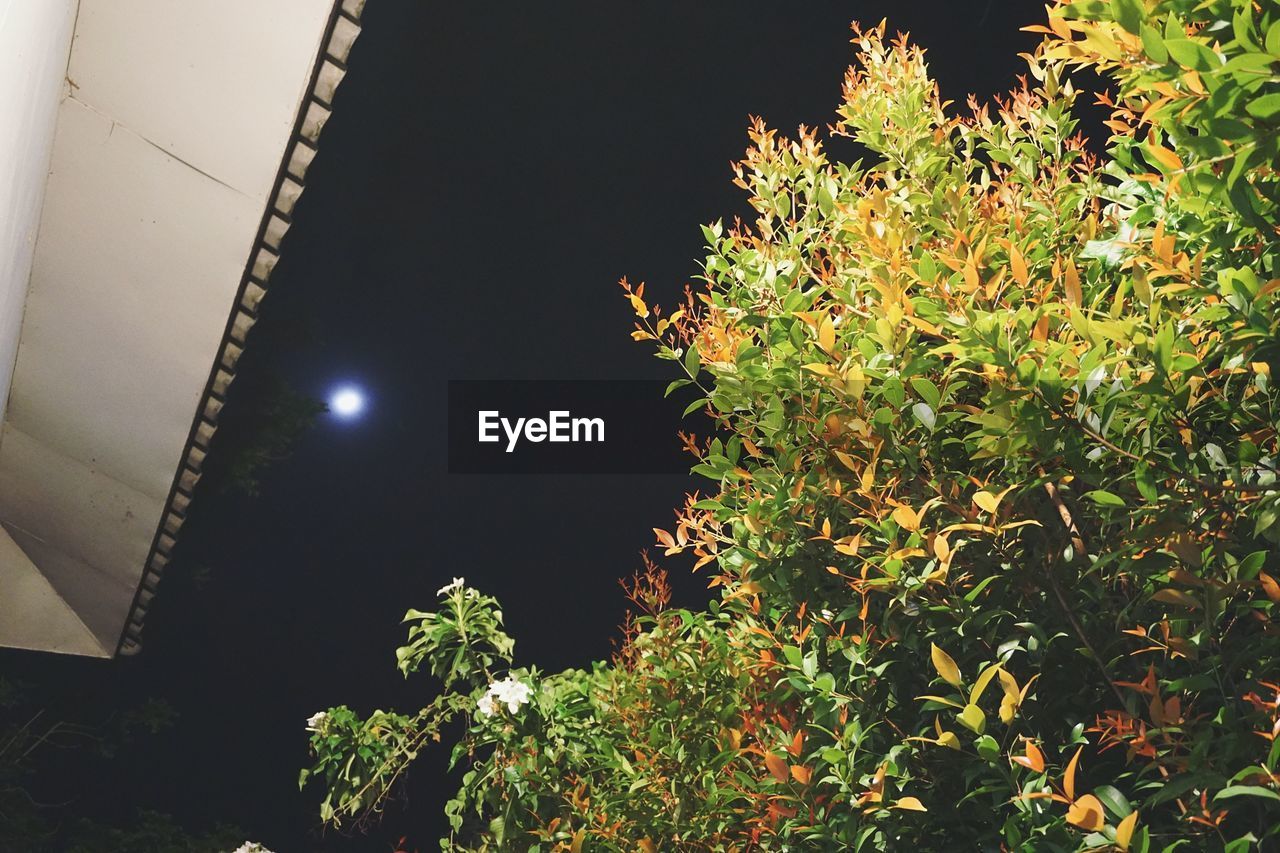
(826, 334)
(986, 501)
(910, 804)
(578, 838)
(847, 461)
(973, 719)
(945, 665)
(981, 684)
(906, 518)
(1086, 813)
(820, 369)
(638, 305)
(1008, 708)
(949, 740)
(1008, 683)
(849, 545)
(1124, 832)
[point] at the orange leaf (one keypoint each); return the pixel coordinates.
(800, 773)
(1269, 586)
(1069, 777)
(1071, 283)
(910, 804)
(1176, 596)
(777, 766)
(1164, 157)
(1086, 813)
(1018, 266)
(1033, 760)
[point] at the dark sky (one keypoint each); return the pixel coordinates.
(490, 171)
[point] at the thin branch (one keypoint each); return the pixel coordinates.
(1077, 542)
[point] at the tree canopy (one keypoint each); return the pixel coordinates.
(995, 519)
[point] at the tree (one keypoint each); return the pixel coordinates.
(995, 524)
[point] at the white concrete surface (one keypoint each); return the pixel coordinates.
(167, 146)
(34, 40)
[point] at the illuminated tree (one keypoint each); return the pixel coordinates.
(996, 523)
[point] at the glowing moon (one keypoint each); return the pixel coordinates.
(346, 402)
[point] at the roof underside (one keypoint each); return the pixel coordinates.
(182, 141)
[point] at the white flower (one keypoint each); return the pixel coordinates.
(509, 692)
(827, 614)
(316, 722)
(458, 583)
(251, 847)
(513, 693)
(487, 706)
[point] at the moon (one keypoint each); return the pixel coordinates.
(347, 402)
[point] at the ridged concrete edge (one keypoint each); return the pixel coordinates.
(330, 67)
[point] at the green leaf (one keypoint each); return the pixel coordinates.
(1153, 45)
(1104, 498)
(1265, 108)
(1164, 348)
(691, 364)
(694, 406)
(1246, 791)
(1115, 802)
(927, 391)
(1190, 54)
(826, 204)
(893, 391)
(1272, 41)
(1128, 14)
(925, 415)
(1145, 482)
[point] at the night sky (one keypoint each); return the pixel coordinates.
(490, 171)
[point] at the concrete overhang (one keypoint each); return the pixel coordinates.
(154, 155)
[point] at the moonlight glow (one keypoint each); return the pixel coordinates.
(346, 402)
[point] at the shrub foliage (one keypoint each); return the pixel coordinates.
(995, 522)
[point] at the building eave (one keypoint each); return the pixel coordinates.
(329, 68)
